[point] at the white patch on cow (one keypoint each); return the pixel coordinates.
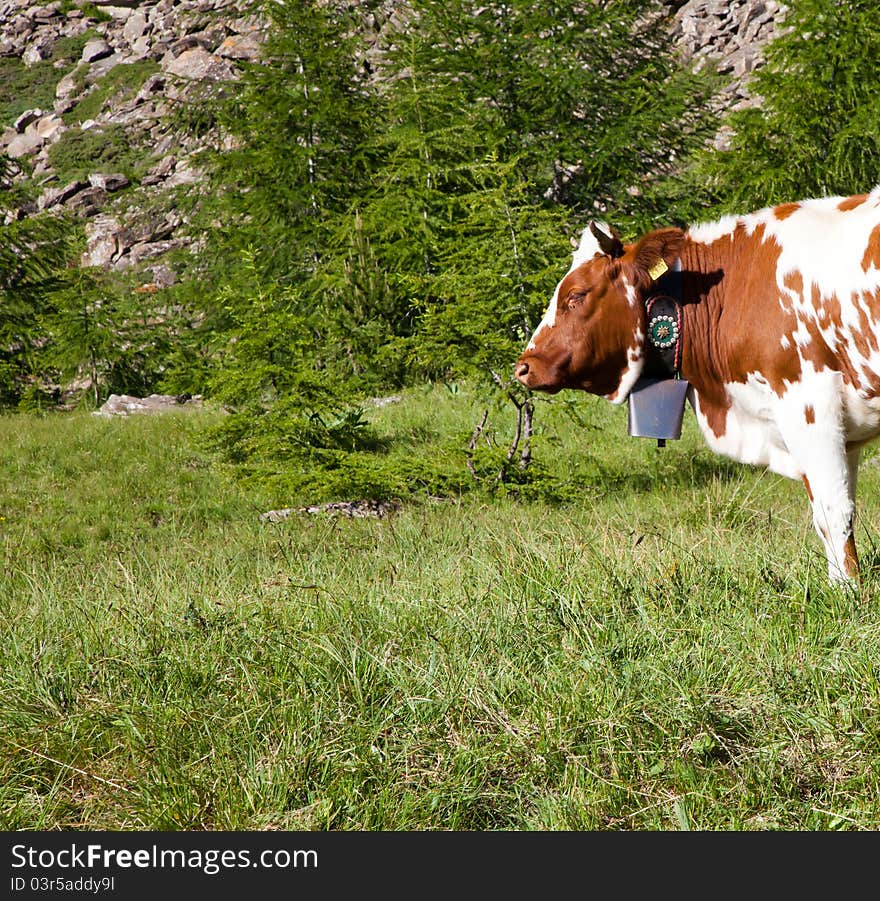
(635, 363)
(587, 249)
(630, 291)
(548, 321)
(821, 456)
(767, 429)
(751, 434)
(826, 246)
(784, 343)
(709, 232)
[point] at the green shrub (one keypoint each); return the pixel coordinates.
(77, 153)
(23, 88)
(121, 81)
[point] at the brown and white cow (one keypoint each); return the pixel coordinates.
(780, 340)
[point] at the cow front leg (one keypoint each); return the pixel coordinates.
(830, 483)
(811, 425)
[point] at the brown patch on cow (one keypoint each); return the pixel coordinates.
(794, 281)
(784, 210)
(851, 202)
(870, 382)
(727, 340)
(872, 250)
(714, 405)
(809, 414)
(807, 486)
(850, 558)
(816, 350)
(595, 324)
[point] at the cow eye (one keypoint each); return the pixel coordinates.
(575, 298)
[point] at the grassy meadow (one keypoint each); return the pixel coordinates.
(659, 651)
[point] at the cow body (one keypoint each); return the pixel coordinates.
(780, 340)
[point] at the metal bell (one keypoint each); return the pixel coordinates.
(656, 408)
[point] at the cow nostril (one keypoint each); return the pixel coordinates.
(521, 370)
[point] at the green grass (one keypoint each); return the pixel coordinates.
(78, 153)
(25, 88)
(33, 87)
(122, 82)
(659, 652)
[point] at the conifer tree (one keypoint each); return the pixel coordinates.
(816, 129)
(405, 217)
(103, 334)
(34, 253)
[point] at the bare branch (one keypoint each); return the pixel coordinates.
(473, 443)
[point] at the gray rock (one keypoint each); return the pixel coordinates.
(146, 251)
(66, 86)
(95, 50)
(24, 145)
(241, 46)
(102, 246)
(32, 56)
(88, 202)
(135, 27)
(351, 509)
(56, 196)
(184, 174)
(163, 276)
(64, 105)
(198, 64)
(119, 12)
(155, 84)
(128, 404)
(109, 183)
(100, 67)
(25, 119)
(49, 128)
(160, 172)
(141, 47)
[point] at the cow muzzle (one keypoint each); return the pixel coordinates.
(534, 373)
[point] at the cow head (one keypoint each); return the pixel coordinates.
(592, 335)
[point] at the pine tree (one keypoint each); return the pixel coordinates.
(34, 253)
(816, 130)
(104, 335)
(404, 218)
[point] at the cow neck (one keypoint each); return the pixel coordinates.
(702, 301)
(665, 324)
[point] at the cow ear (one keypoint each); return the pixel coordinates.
(608, 240)
(655, 253)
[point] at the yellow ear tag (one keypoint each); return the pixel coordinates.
(658, 269)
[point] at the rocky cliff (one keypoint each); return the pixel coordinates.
(92, 90)
(102, 84)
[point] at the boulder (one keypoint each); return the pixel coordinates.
(109, 183)
(95, 50)
(56, 196)
(24, 145)
(49, 128)
(32, 55)
(198, 64)
(102, 246)
(25, 119)
(240, 46)
(88, 202)
(128, 404)
(135, 27)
